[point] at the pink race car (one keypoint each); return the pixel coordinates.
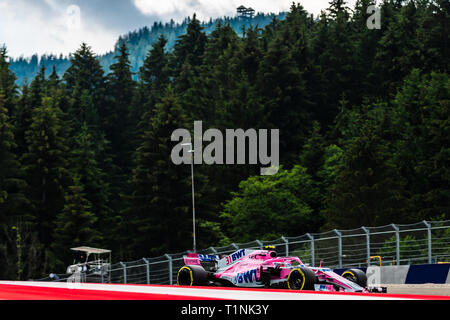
(263, 269)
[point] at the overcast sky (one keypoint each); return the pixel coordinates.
(59, 26)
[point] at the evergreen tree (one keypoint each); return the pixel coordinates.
(121, 88)
(38, 88)
(204, 97)
(7, 82)
(85, 75)
(321, 56)
(398, 51)
(75, 224)
(13, 203)
(154, 79)
(190, 47)
(286, 99)
(432, 32)
(368, 189)
(365, 47)
(341, 52)
(218, 41)
(313, 150)
(188, 54)
(162, 190)
(421, 122)
(83, 111)
(85, 166)
(22, 118)
(249, 54)
(45, 164)
(53, 79)
(118, 129)
(154, 73)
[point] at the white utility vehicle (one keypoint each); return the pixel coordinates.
(91, 264)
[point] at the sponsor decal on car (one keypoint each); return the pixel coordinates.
(234, 257)
(245, 277)
(207, 257)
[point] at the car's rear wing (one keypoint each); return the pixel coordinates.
(197, 258)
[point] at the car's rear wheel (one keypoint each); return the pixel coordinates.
(192, 276)
(357, 276)
(301, 279)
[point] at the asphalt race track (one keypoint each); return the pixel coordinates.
(422, 289)
(27, 290)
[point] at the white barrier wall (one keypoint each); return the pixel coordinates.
(409, 274)
(387, 275)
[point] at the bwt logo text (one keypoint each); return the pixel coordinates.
(234, 146)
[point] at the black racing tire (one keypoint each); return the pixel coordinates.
(192, 275)
(301, 278)
(357, 276)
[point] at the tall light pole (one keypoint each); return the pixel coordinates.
(193, 191)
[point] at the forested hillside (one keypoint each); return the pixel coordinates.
(138, 42)
(364, 128)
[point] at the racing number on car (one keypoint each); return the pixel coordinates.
(234, 257)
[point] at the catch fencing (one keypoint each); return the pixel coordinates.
(425, 242)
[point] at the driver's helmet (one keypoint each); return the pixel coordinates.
(272, 249)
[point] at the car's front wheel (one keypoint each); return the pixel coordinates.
(357, 276)
(301, 278)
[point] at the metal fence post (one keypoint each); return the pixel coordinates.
(124, 266)
(169, 258)
(311, 237)
(397, 243)
(367, 244)
(429, 240)
(339, 247)
(147, 271)
(260, 244)
(286, 245)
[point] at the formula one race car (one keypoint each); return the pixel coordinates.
(263, 269)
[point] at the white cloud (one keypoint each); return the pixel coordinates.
(27, 29)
